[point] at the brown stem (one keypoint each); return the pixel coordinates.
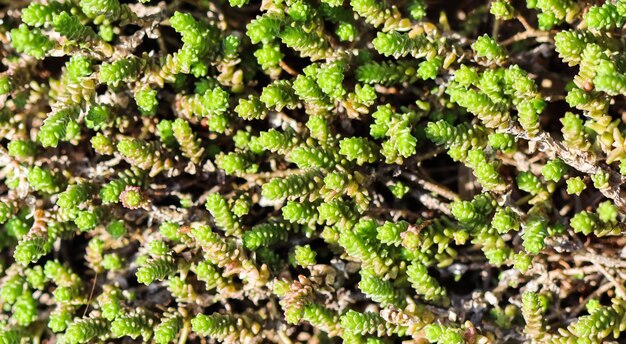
(524, 35)
(619, 288)
(580, 160)
(432, 186)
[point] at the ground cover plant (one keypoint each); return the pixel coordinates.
(312, 171)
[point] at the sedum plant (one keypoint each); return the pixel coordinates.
(299, 171)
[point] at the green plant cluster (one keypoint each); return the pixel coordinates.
(312, 171)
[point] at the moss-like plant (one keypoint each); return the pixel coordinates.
(329, 171)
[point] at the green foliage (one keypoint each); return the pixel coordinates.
(554, 170)
(397, 128)
(119, 71)
(222, 214)
(304, 255)
(487, 47)
(504, 220)
(399, 189)
(428, 69)
(381, 291)
(147, 100)
(400, 45)
(530, 183)
(366, 323)
(110, 301)
(155, 269)
(12, 288)
(5, 85)
(200, 40)
(378, 14)
(606, 17)
(535, 233)
(391, 233)
(382, 171)
(74, 195)
(212, 104)
(263, 29)
(189, 144)
(111, 9)
(38, 15)
(502, 9)
(307, 44)
(132, 325)
(110, 192)
(22, 148)
(24, 310)
(575, 185)
(279, 95)
(387, 73)
(142, 154)
(554, 12)
(71, 27)
(266, 234)
(292, 187)
(532, 312)
(346, 28)
(168, 328)
(215, 326)
(85, 330)
(56, 127)
(601, 223)
(300, 212)
(485, 171)
(31, 248)
(99, 117)
(236, 163)
(30, 41)
(251, 108)
(424, 284)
